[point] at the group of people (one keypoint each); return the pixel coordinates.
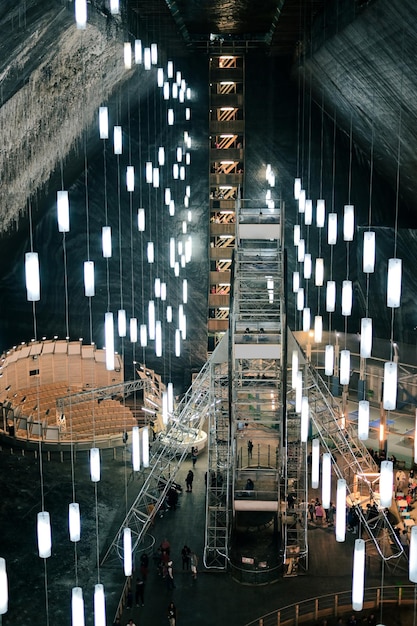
(317, 513)
(189, 561)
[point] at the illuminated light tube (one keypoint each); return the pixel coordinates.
(300, 299)
(33, 283)
(154, 54)
(332, 229)
(297, 188)
(161, 156)
(77, 607)
(4, 588)
(319, 272)
(184, 291)
(170, 395)
(347, 298)
(151, 319)
(390, 386)
(163, 292)
(184, 227)
(109, 340)
(179, 154)
(114, 7)
(160, 77)
(366, 337)
(167, 196)
(130, 178)
(133, 329)
(394, 283)
(186, 201)
(344, 367)
(99, 606)
(62, 204)
(150, 251)
(127, 551)
(172, 252)
(127, 55)
(320, 213)
(175, 171)
(294, 368)
(148, 172)
(74, 521)
(386, 481)
(341, 510)
(166, 91)
(147, 63)
(415, 438)
(182, 172)
(157, 287)
(368, 252)
(318, 329)
(176, 269)
(358, 578)
(145, 447)
(158, 338)
(308, 212)
(298, 392)
(121, 322)
(306, 319)
(307, 266)
(326, 479)
(188, 113)
(81, 14)
(269, 284)
(183, 261)
(348, 222)
(155, 177)
(188, 248)
(170, 117)
(175, 91)
(188, 191)
(169, 314)
(103, 122)
(95, 470)
(412, 559)
(117, 140)
(178, 78)
(177, 342)
(305, 417)
(301, 251)
(315, 463)
(172, 208)
(329, 360)
(138, 52)
(165, 408)
(135, 449)
(141, 220)
(267, 171)
(44, 535)
(302, 201)
(295, 281)
(363, 420)
(106, 242)
(89, 286)
(330, 296)
(143, 335)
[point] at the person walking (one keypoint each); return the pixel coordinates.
(194, 563)
(185, 554)
(250, 448)
(189, 481)
(194, 453)
(172, 614)
(319, 514)
(140, 592)
(170, 575)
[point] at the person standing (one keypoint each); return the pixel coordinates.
(189, 481)
(185, 553)
(140, 592)
(172, 614)
(250, 448)
(319, 513)
(194, 563)
(170, 575)
(194, 453)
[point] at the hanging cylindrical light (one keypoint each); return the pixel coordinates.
(300, 299)
(133, 329)
(150, 252)
(127, 55)
(154, 54)
(315, 463)
(329, 360)
(297, 188)
(135, 449)
(177, 342)
(169, 314)
(330, 296)
(89, 286)
(151, 319)
(308, 212)
(170, 69)
(145, 446)
(127, 551)
(298, 392)
(161, 156)
(44, 535)
(358, 578)
(106, 242)
(344, 367)
(147, 62)
(175, 171)
(174, 91)
(81, 14)
(295, 281)
(172, 208)
(148, 172)
(320, 213)
(170, 117)
(302, 201)
(170, 395)
(386, 481)
(306, 319)
(99, 606)
(4, 587)
(318, 329)
(138, 52)
(167, 196)
(294, 368)
(348, 222)
(297, 234)
(74, 521)
(155, 177)
(157, 287)
(165, 408)
(33, 283)
(412, 558)
(363, 420)
(95, 469)
(326, 480)
(319, 272)
(366, 337)
(158, 338)
(307, 266)
(114, 7)
(182, 172)
(165, 91)
(341, 510)
(390, 386)
(368, 252)
(163, 292)
(117, 140)
(332, 229)
(305, 417)
(62, 204)
(301, 251)
(185, 291)
(143, 335)
(109, 340)
(347, 297)
(77, 607)
(103, 122)
(394, 283)
(141, 220)
(130, 178)
(179, 154)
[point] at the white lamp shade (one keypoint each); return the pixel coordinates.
(44, 535)
(300, 299)
(295, 281)
(358, 575)
(130, 178)
(169, 314)
(326, 479)
(151, 319)
(330, 296)
(386, 481)
(332, 229)
(294, 370)
(127, 551)
(301, 251)
(341, 510)
(81, 14)
(4, 587)
(412, 559)
(167, 196)
(121, 322)
(141, 220)
(114, 7)
(62, 204)
(297, 188)
(302, 201)
(177, 342)
(135, 449)
(185, 291)
(348, 222)
(161, 153)
(109, 340)
(158, 338)
(150, 251)
(329, 360)
(347, 298)
(170, 69)
(307, 266)
(305, 418)
(155, 177)
(308, 212)
(320, 213)
(145, 446)
(165, 91)
(165, 407)
(138, 52)
(363, 420)
(368, 252)
(319, 272)
(154, 53)
(172, 207)
(179, 154)
(394, 283)
(103, 122)
(106, 242)
(344, 367)
(297, 234)
(143, 335)
(133, 329)
(315, 463)
(175, 171)
(74, 521)
(306, 319)
(298, 392)
(318, 329)
(147, 61)
(89, 286)
(366, 337)
(170, 394)
(99, 606)
(170, 117)
(148, 172)
(77, 607)
(117, 140)
(95, 467)
(33, 283)
(127, 55)
(390, 386)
